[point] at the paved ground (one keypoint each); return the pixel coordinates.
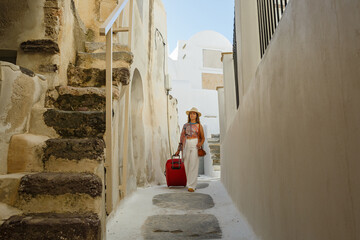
(163, 213)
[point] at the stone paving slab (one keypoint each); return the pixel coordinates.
(188, 226)
(184, 201)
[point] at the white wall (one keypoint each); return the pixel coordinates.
(291, 155)
(186, 75)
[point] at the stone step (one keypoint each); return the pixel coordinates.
(215, 156)
(216, 162)
(76, 124)
(213, 140)
(24, 154)
(50, 226)
(94, 47)
(215, 136)
(78, 98)
(60, 192)
(9, 184)
(216, 150)
(214, 146)
(97, 60)
(75, 155)
(95, 77)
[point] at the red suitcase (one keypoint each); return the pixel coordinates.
(175, 172)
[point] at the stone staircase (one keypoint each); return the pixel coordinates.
(55, 187)
(214, 145)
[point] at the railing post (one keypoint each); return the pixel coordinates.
(130, 22)
(108, 139)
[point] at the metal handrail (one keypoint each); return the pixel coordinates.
(269, 15)
(107, 30)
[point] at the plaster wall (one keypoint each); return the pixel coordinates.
(229, 105)
(19, 93)
(148, 136)
(248, 48)
(291, 155)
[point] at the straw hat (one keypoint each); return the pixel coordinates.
(193, 110)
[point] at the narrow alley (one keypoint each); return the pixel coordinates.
(160, 212)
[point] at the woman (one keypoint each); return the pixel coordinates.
(191, 139)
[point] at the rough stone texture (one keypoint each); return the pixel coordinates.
(75, 123)
(75, 149)
(60, 183)
(125, 56)
(184, 201)
(95, 77)
(40, 46)
(78, 98)
(49, 68)
(52, 14)
(25, 153)
(94, 47)
(189, 226)
(52, 226)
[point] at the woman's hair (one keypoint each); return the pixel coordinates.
(197, 118)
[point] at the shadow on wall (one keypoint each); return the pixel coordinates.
(138, 134)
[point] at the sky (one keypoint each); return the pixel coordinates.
(188, 17)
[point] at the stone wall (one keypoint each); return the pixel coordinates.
(45, 33)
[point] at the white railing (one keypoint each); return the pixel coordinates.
(107, 29)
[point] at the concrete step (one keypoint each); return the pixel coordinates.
(78, 98)
(50, 226)
(214, 150)
(213, 140)
(24, 154)
(216, 162)
(97, 60)
(214, 145)
(215, 156)
(60, 193)
(95, 77)
(9, 184)
(95, 47)
(76, 124)
(75, 155)
(215, 136)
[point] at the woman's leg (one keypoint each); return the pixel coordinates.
(192, 166)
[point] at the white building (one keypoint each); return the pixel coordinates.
(195, 69)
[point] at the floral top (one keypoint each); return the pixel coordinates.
(190, 130)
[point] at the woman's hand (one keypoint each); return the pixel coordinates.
(177, 153)
(198, 145)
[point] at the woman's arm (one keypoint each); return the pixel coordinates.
(182, 138)
(202, 136)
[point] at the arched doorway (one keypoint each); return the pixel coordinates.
(137, 127)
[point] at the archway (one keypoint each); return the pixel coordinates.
(137, 127)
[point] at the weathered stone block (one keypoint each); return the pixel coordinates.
(75, 123)
(188, 226)
(52, 226)
(9, 185)
(60, 183)
(95, 77)
(97, 60)
(40, 46)
(49, 68)
(75, 149)
(25, 153)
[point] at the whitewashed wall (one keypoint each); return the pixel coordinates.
(185, 70)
